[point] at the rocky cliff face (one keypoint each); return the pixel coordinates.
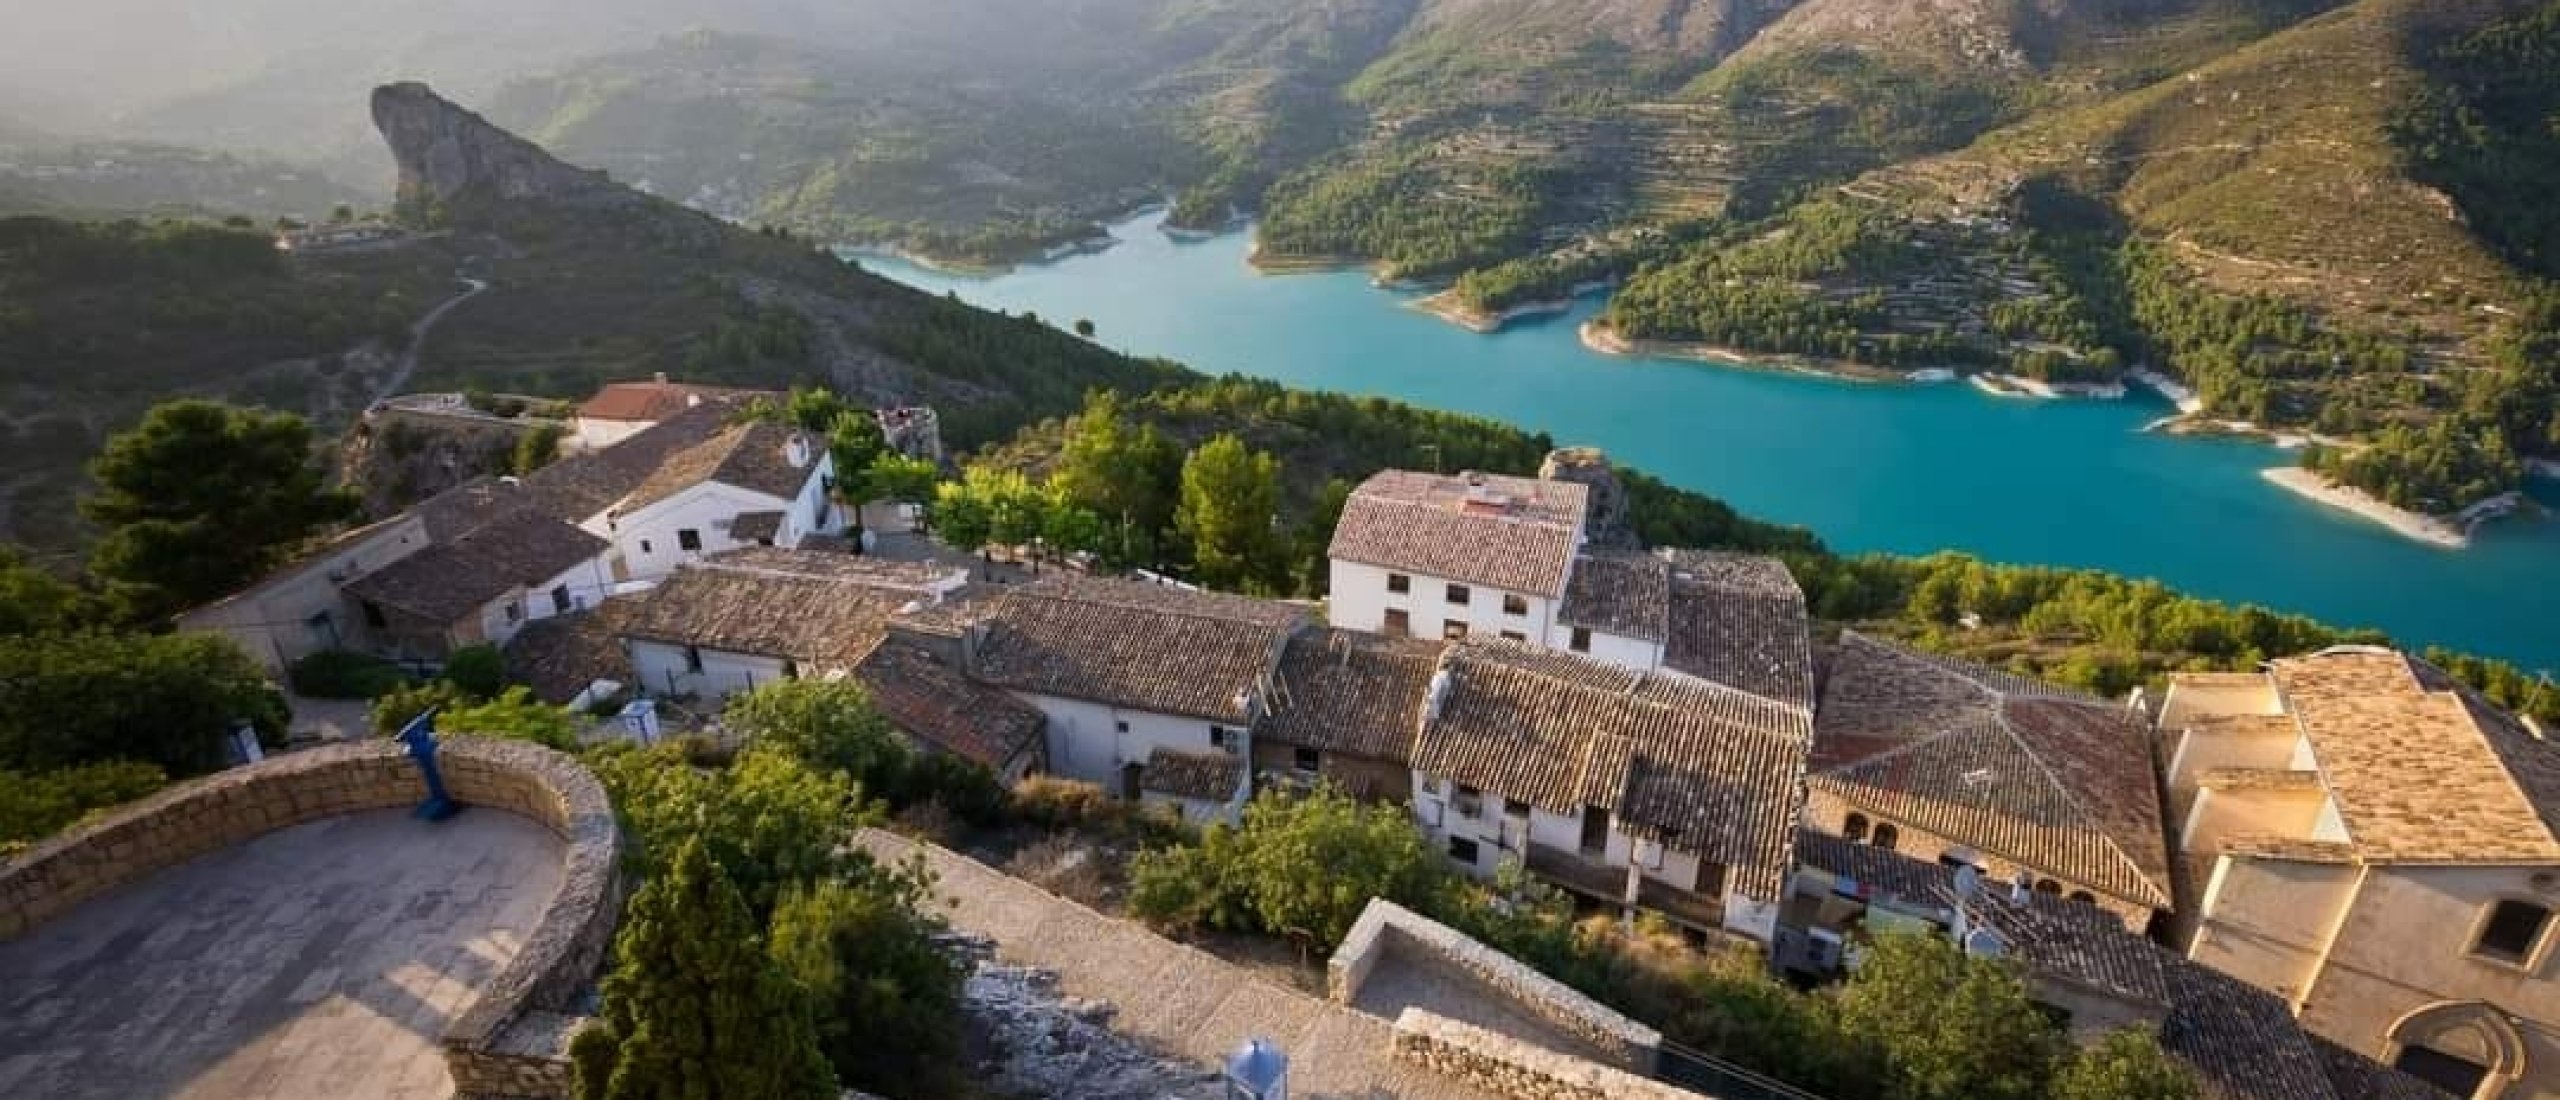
(448, 155)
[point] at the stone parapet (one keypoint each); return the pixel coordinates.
(1385, 927)
(1509, 1067)
(492, 1049)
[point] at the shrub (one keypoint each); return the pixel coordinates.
(167, 699)
(826, 724)
(515, 715)
(344, 674)
(1055, 803)
(887, 999)
(1304, 866)
(478, 669)
(398, 706)
(969, 791)
(39, 804)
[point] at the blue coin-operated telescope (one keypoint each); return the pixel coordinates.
(1257, 1071)
(420, 736)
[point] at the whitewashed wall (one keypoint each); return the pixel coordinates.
(301, 610)
(1085, 741)
(1360, 601)
(660, 669)
(1624, 652)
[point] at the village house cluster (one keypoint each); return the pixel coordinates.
(2329, 880)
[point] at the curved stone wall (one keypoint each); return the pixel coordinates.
(512, 1041)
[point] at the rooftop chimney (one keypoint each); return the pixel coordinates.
(796, 451)
(660, 378)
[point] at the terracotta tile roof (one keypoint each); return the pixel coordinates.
(819, 617)
(945, 709)
(445, 582)
(1740, 621)
(1205, 776)
(2061, 784)
(1703, 768)
(2360, 1078)
(754, 456)
(2423, 771)
(1512, 533)
(1136, 645)
(758, 526)
(2241, 1040)
(1351, 692)
(917, 579)
(957, 612)
(1628, 595)
(654, 400)
(559, 656)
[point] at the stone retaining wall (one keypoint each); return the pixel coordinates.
(512, 1043)
(1386, 927)
(1509, 1067)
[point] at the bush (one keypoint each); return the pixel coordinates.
(1303, 866)
(515, 715)
(968, 791)
(887, 998)
(826, 724)
(169, 700)
(344, 674)
(37, 805)
(1051, 802)
(478, 669)
(400, 705)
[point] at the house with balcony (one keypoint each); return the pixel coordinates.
(1957, 763)
(1454, 556)
(1344, 709)
(748, 617)
(2378, 846)
(1150, 690)
(1637, 790)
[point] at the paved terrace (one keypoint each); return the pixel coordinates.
(319, 961)
(1190, 1003)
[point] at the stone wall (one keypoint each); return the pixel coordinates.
(1507, 1067)
(512, 1043)
(1385, 927)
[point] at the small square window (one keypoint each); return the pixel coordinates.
(1307, 760)
(689, 541)
(644, 547)
(560, 600)
(1398, 582)
(1121, 727)
(515, 611)
(1463, 850)
(1514, 605)
(1399, 623)
(1469, 800)
(2513, 930)
(1218, 736)
(1582, 639)
(1452, 630)
(1458, 594)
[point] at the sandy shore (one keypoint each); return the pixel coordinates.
(1601, 338)
(1446, 306)
(2432, 530)
(2178, 394)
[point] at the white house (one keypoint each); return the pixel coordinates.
(1148, 689)
(621, 410)
(755, 484)
(1648, 790)
(302, 609)
(1474, 555)
(750, 617)
(480, 587)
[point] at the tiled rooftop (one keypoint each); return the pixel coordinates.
(813, 617)
(1703, 768)
(755, 456)
(1205, 776)
(2423, 771)
(933, 702)
(449, 580)
(559, 656)
(1740, 621)
(1512, 533)
(654, 400)
(1351, 692)
(1628, 595)
(1131, 644)
(2059, 783)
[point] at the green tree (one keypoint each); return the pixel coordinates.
(961, 516)
(535, 449)
(902, 479)
(1951, 1026)
(34, 805)
(694, 1009)
(768, 819)
(1230, 499)
(1084, 328)
(886, 998)
(1304, 866)
(1124, 472)
(2126, 1065)
(480, 670)
(33, 601)
(201, 498)
(829, 725)
(854, 441)
(168, 700)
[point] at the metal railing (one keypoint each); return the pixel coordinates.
(1709, 1075)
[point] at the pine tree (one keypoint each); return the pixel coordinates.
(1230, 498)
(694, 1009)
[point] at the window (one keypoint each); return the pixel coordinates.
(560, 600)
(1855, 828)
(2459, 1076)
(373, 616)
(1452, 630)
(515, 611)
(1399, 583)
(1399, 623)
(1218, 736)
(693, 658)
(2513, 930)
(1582, 639)
(1469, 800)
(1595, 830)
(1463, 850)
(790, 670)
(1710, 880)
(1307, 760)
(1514, 635)
(1459, 595)
(1514, 605)
(689, 541)
(1885, 835)
(1120, 726)
(644, 547)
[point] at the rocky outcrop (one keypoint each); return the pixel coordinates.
(1606, 527)
(450, 156)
